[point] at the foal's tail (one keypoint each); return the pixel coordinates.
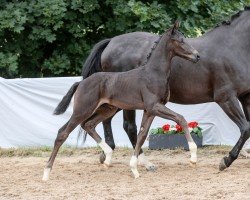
(91, 66)
(93, 61)
(64, 104)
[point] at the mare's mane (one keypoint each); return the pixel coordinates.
(233, 17)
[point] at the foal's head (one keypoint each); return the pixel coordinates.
(179, 47)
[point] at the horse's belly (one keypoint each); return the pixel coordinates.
(190, 94)
(127, 105)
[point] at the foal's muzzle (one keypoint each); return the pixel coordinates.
(197, 58)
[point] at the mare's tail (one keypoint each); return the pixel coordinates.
(93, 61)
(64, 104)
(91, 66)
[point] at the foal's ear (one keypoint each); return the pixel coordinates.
(175, 27)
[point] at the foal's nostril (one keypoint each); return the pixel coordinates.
(198, 57)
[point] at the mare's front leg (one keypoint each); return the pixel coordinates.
(129, 125)
(232, 108)
(145, 125)
(161, 110)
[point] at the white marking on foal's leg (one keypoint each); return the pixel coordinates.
(46, 173)
(108, 152)
(143, 160)
(133, 165)
(193, 152)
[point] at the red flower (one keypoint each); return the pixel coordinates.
(192, 124)
(178, 128)
(166, 127)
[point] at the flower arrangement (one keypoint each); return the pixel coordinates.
(177, 129)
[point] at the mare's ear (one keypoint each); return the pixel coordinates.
(175, 27)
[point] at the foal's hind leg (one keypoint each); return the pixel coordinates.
(109, 139)
(62, 135)
(103, 112)
(232, 108)
(130, 127)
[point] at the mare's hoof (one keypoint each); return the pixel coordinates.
(222, 165)
(151, 168)
(102, 157)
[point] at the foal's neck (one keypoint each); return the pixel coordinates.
(160, 59)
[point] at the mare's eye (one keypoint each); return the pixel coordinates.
(182, 41)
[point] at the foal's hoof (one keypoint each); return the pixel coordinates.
(222, 165)
(136, 176)
(135, 173)
(151, 168)
(106, 166)
(46, 173)
(102, 157)
(192, 164)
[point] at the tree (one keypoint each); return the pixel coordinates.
(53, 37)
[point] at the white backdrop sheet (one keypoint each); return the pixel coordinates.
(26, 107)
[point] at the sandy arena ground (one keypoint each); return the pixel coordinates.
(80, 176)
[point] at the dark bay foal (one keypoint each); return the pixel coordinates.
(99, 96)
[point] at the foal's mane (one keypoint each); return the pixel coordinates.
(233, 17)
(152, 49)
(155, 45)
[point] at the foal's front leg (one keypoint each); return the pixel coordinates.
(145, 125)
(129, 126)
(164, 112)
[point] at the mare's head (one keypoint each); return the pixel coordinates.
(179, 47)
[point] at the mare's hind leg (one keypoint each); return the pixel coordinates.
(109, 139)
(245, 100)
(62, 135)
(102, 113)
(130, 127)
(232, 108)
(246, 106)
(145, 125)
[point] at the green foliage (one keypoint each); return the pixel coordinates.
(53, 37)
(197, 131)
(8, 65)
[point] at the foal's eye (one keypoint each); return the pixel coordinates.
(182, 41)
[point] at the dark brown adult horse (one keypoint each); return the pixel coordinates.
(222, 75)
(99, 96)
